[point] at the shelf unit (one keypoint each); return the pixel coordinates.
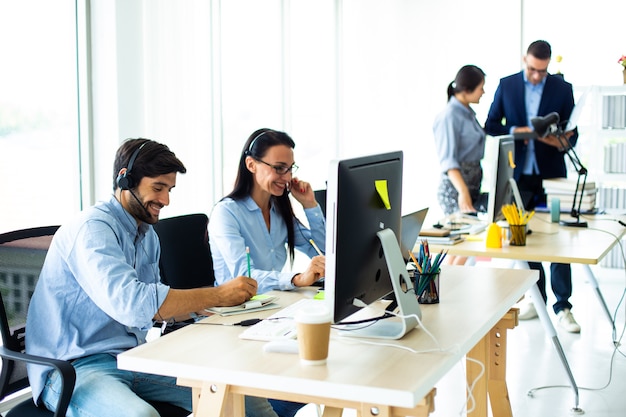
(602, 149)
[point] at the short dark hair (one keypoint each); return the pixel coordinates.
(540, 50)
(152, 160)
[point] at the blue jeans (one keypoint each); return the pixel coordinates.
(103, 390)
(561, 283)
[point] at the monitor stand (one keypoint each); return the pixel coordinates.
(409, 309)
(516, 194)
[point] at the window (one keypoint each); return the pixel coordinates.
(38, 113)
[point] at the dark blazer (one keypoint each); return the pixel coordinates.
(509, 109)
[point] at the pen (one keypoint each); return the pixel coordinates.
(248, 259)
(319, 252)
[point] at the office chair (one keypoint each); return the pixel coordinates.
(22, 253)
(186, 260)
(320, 196)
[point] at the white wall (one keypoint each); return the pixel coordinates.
(344, 78)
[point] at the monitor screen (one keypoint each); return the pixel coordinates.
(501, 191)
(363, 210)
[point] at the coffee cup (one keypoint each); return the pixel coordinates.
(313, 332)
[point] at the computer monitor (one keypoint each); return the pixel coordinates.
(502, 188)
(363, 258)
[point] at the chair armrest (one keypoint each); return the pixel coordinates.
(65, 368)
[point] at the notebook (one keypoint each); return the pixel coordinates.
(410, 229)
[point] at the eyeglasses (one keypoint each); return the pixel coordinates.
(538, 71)
(280, 169)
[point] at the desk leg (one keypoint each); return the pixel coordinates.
(540, 306)
(332, 411)
(216, 400)
(480, 353)
(491, 351)
(594, 284)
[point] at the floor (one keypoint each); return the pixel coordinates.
(533, 363)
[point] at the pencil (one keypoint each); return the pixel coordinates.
(319, 252)
(248, 259)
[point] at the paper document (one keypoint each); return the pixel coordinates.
(256, 303)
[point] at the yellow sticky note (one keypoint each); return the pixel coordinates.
(383, 192)
(511, 160)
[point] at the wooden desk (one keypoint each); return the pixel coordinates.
(551, 242)
(222, 368)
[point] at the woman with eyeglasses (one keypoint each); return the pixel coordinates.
(252, 228)
(258, 215)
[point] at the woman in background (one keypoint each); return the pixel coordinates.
(257, 214)
(460, 143)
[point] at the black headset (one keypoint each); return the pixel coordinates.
(248, 152)
(125, 181)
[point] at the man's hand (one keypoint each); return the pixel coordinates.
(236, 291)
(554, 141)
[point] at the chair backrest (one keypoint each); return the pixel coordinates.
(186, 260)
(320, 196)
(22, 253)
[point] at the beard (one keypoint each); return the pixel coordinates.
(139, 210)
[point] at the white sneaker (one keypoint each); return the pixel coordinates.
(527, 311)
(567, 321)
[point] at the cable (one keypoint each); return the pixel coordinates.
(243, 323)
(470, 387)
(617, 342)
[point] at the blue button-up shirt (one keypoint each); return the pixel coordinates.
(235, 224)
(98, 291)
(458, 136)
(532, 98)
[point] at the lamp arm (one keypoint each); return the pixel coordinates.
(580, 169)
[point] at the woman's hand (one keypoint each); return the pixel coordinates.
(315, 271)
(303, 193)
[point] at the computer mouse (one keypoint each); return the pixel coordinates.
(281, 346)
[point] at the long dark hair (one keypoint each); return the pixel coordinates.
(467, 79)
(256, 146)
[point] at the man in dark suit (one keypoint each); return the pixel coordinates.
(519, 98)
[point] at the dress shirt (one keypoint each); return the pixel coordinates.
(237, 224)
(98, 291)
(532, 98)
(458, 136)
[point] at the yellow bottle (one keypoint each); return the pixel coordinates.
(494, 236)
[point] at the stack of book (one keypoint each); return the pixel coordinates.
(440, 236)
(564, 188)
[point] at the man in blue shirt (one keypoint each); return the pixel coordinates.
(99, 293)
(519, 98)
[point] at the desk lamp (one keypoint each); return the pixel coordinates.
(549, 125)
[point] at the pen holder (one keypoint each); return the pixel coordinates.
(518, 234)
(427, 287)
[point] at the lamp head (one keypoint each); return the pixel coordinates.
(545, 125)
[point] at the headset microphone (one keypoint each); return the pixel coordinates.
(140, 203)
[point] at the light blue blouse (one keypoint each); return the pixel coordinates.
(98, 290)
(458, 136)
(235, 224)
